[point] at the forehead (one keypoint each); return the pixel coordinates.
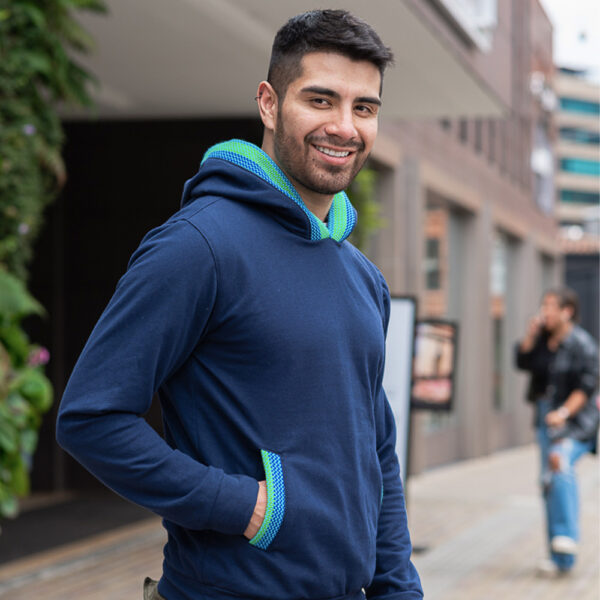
(338, 73)
(550, 300)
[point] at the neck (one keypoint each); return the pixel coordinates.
(318, 204)
(561, 332)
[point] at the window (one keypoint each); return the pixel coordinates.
(491, 141)
(579, 136)
(432, 264)
(581, 166)
(498, 292)
(498, 266)
(498, 358)
(463, 130)
(574, 196)
(478, 135)
(580, 106)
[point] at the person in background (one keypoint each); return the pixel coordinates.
(263, 331)
(562, 360)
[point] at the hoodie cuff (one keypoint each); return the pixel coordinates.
(234, 504)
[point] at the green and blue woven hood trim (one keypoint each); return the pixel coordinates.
(342, 216)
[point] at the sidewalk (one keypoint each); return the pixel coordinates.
(482, 523)
(479, 521)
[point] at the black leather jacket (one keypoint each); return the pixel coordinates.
(574, 366)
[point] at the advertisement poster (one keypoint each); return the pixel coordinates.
(434, 364)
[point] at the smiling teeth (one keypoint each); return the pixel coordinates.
(332, 152)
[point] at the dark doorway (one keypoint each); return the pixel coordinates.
(124, 178)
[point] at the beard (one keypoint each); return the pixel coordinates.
(296, 161)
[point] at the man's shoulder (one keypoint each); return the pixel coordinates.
(365, 264)
(583, 339)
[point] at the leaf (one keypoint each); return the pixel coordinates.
(9, 439)
(35, 14)
(35, 387)
(15, 341)
(29, 440)
(9, 507)
(20, 478)
(15, 301)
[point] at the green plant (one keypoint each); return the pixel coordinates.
(25, 392)
(362, 194)
(37, 71)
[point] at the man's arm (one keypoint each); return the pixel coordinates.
(525, 356)
(395, 576)
(157, 316)
(587, 379)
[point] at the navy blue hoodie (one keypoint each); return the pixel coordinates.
(263, 332)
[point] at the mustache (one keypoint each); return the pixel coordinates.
(335, 141)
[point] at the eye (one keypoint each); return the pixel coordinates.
(320, 102)
(366, 110)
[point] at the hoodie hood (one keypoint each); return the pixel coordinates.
(242, 172)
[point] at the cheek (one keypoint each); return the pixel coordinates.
(368, 135)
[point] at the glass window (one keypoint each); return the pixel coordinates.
(432, 264)
(581, 166)
(580, 106)
(579, 136)
(478, 135)
(462, 130)
(580, 197)
(492, 141)
(498, 341)
(498, 266)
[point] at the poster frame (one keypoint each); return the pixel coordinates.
(418, 403)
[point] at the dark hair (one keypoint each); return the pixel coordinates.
(567, 298)
(323, 31)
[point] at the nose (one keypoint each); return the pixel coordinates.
(342, 125)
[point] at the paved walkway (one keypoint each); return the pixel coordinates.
(479, 523)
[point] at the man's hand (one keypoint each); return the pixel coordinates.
(534, 327)
(258, 515)
(556, 418)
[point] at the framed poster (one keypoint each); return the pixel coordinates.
(434, 364)
(398, 367)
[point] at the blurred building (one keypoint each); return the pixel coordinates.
(464, 158)
(472, 231)
(578, 184)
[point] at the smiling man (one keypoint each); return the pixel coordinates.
(263, 331)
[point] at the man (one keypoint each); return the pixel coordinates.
(263, 331)
(563, 361)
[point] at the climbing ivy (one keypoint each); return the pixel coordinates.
(38, 39)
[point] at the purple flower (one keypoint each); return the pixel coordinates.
(29, 129)
(38, 356)
(23, 228)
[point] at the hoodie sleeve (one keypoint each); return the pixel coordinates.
(395, 576)
(157, 316)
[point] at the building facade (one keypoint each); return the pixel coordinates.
(463, 181)
(578, 186)
(472, 234)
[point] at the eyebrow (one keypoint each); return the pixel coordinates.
(315, 89)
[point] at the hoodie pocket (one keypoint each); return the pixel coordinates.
(275, 510)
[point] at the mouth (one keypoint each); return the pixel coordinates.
(334, 157)
(334, 153)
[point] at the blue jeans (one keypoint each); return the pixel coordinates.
(559, 488)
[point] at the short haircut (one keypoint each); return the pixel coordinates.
(567, 298)
(323, 31)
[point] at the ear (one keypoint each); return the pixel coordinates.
(267, 104)
(567, 313)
